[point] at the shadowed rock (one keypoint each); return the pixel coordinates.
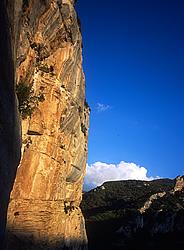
(9, 118)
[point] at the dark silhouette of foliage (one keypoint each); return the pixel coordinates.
(28, 101)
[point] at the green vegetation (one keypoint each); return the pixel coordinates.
(123, 194)
(114, 222)
(87, 105)
(83, 129)
(44, 68)
(28, 101)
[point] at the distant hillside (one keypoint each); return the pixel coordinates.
(121, 214)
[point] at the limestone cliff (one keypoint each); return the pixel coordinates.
(44, 208)
(179, 185)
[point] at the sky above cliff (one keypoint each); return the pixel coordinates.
(133, 58)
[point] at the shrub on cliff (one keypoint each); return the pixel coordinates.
(28, 101)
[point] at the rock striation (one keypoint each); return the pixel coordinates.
(44, 210)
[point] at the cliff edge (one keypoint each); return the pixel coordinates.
(44, 208)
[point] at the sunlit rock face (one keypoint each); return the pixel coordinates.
(179, 186)
(44, 209)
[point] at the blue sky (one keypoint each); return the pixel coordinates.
(133, 58)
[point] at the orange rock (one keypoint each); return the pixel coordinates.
(53, 163)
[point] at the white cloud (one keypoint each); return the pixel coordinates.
(102, 107)
(99, 172)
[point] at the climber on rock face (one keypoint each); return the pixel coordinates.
(69, 206)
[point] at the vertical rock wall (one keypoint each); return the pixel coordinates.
(44, 209)
(9, 119)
